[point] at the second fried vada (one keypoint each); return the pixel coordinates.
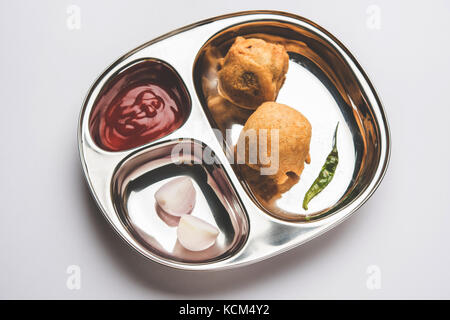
(292, 145)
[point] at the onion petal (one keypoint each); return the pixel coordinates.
(196, 234)
(176, 197)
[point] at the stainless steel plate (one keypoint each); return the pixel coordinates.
(324, 82)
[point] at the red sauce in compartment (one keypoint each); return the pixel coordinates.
(145, 102)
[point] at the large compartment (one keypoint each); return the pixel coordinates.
(322, 86)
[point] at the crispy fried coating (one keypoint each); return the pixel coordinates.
(294, 136)
(253, 72)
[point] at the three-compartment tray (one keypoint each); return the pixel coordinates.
(324, 82)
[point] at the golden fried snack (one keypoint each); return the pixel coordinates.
(285, 158)
(265, 188)
(253, 72)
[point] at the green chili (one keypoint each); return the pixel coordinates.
(326, 173)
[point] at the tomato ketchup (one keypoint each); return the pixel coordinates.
(143, 103)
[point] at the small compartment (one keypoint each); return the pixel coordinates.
(320, 84)
(144, 101)
(138, 178)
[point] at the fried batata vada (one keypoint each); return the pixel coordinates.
(253, 72)
(294, 136)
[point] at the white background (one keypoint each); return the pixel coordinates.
(48, 220)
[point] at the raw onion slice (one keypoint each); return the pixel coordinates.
(196, 234)
(176, 197)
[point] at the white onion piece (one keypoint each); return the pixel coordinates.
(195, 234)
(176, 197)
